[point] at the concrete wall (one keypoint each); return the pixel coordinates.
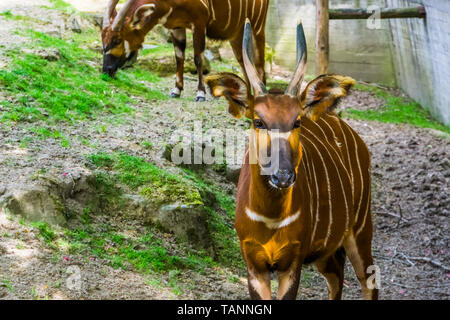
(355, 49)
(413, 54)
(421, 51)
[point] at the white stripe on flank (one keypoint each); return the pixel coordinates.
(340, 179)
(330, 205)
(348, 170)
(253, 9)
(245, 11)
(272, 223)
(263, 19)
(362, 180)
(229, 16)
(349, 161)
(365, 218)
(261, 7)
(206, 6)
(240, 11)
(339, 174)
(213, 12)
(309, 180)
(313, 170)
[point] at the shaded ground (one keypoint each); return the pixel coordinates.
(410, 198)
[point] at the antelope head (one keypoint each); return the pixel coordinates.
(277, 117)
(124, 32)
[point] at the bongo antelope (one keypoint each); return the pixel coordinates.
(304, 189)
(123, 33)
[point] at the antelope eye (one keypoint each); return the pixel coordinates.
(116, 42)
(297, 124)
(258, 124)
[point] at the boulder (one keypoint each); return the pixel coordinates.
(51, 199)
(186, 222)
(75, 25)
(35, 204)
(189, 65)
(233, 172)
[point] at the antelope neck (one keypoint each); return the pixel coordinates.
(266, 201)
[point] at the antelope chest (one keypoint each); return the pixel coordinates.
(271, 243)
(276, 254)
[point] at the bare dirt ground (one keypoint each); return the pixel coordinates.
(410, 173)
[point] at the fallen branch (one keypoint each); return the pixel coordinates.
(431, 261)
(407, 259)
(400, 285)
(385, 213)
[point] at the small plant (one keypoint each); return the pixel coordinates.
(7, 284)
(45, 231)
(147, 145)
(34, 294)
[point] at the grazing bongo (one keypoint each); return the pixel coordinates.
(123, 33)
(304, 189)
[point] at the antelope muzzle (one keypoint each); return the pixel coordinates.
(112, 63)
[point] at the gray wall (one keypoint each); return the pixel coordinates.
(413, 54)
(421, 51)
(355, 50)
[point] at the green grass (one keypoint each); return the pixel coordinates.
(9, 16)
(151, 181)
(7, 284)
(70, 88)
(396, 110)
(161, 51)
(45, 231)
(162, 187)
(144, 253)
(221, 209)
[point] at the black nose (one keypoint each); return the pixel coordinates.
(109, 70)
(283, 178)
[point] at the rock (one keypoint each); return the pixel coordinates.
(233, 172)
(54, 33)
(187, 222)
(190, 156)
(2, 190)
(96, 46)
(50, 199)
(214, 47)
(35, 204)
(49, 54)
(189, 66)
(159, 34)
(75, 25)
(209, 55)
(96, 19)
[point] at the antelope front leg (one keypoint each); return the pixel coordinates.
(288, 282)
(179, 44)
(199, 47)
(259, 284)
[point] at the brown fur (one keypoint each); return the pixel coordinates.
(331, 193)
(206, 17)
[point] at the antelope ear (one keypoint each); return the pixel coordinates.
(322, 94)
(141, 15)
(234, 89)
